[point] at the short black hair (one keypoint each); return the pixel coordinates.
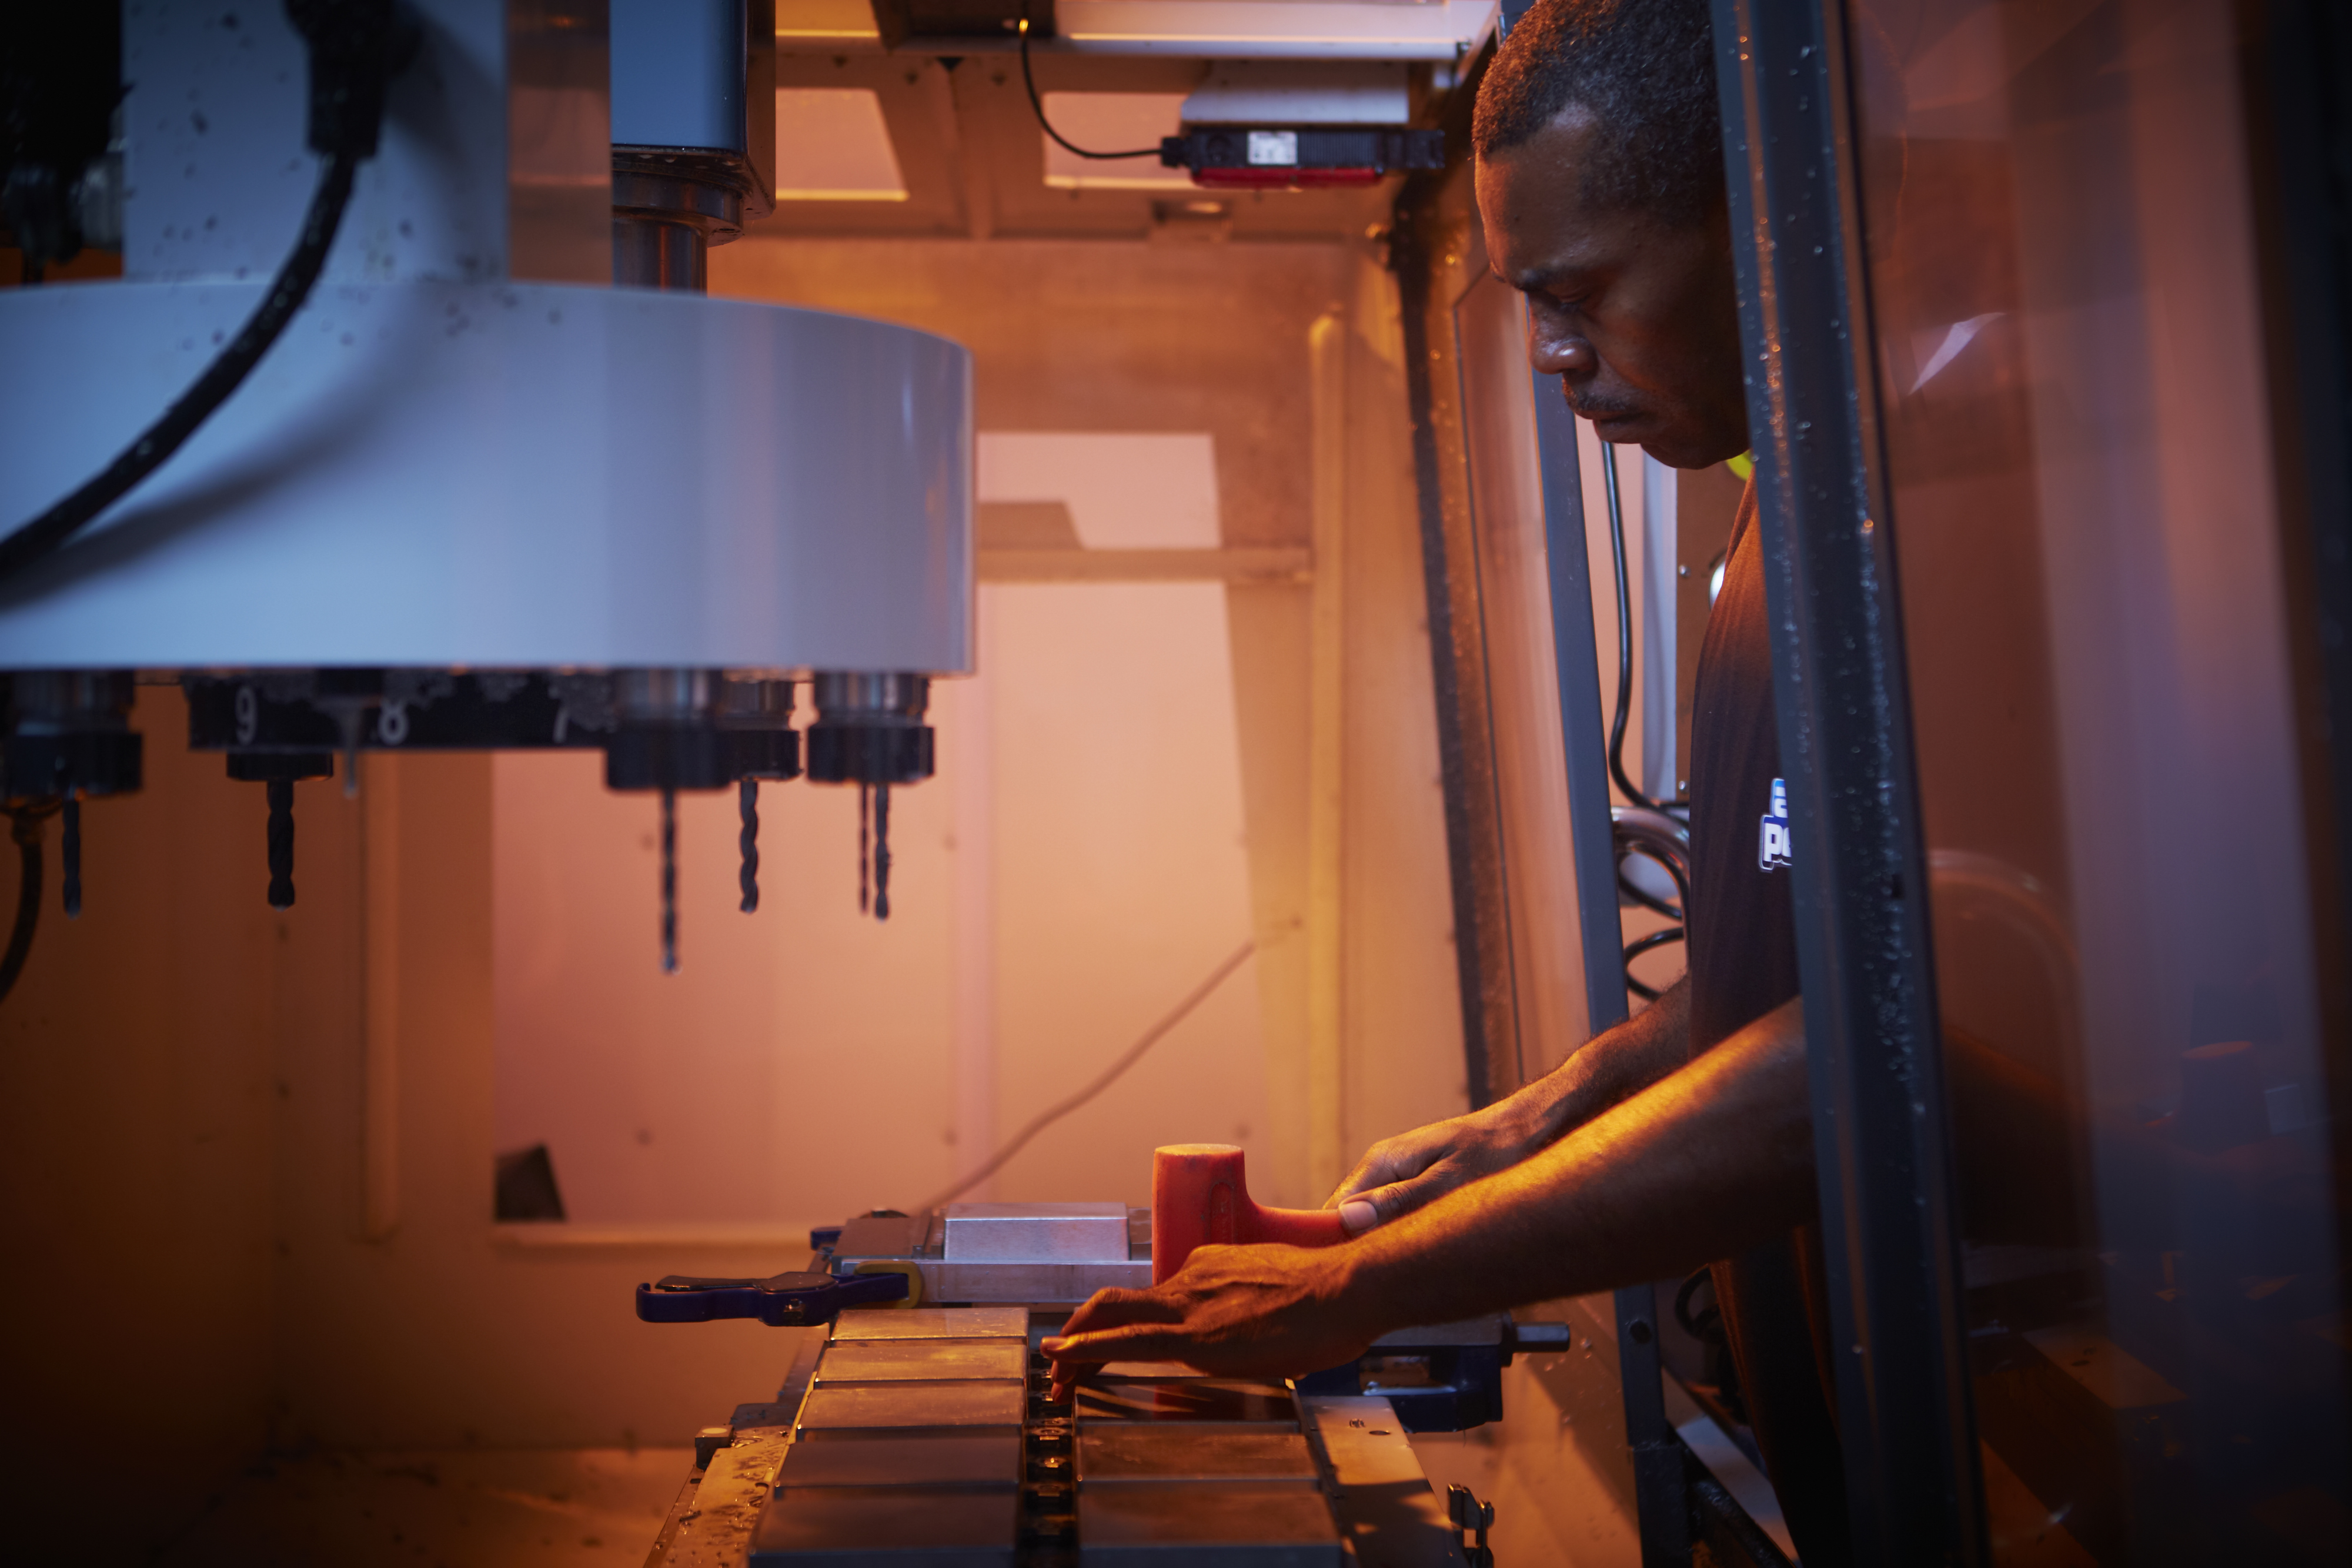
(1644, 70)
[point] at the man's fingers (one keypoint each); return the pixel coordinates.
(1380, 1167)
(1129, 1342)
(1111, 1306)
(1383, 1204)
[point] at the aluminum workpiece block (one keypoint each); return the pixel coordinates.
(1036, 1233)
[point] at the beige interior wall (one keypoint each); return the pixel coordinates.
(1402, 1054)
(137, 1101)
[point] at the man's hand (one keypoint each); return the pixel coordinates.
(1399, 1175)
(1243, 1311)
(1407, 1172)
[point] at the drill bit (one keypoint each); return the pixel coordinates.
(882, 852)
(70, 855)
(747, 801)
(865, 810)
(280, 793)
(669, 881)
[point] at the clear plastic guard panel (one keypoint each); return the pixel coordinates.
(2062, 274)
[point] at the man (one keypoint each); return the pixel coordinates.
(1684, 1137)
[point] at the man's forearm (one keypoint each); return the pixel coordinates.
(1692, 1169)
(1607, 1069)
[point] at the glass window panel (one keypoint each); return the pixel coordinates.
(2063, 280)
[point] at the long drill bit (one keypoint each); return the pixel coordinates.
(280, 793)
(747, 802)
(882, 852)
(70, 857)
(669, 881)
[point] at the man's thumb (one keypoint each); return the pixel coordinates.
(1383, 1204)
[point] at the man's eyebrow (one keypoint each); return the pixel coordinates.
(1538, 279)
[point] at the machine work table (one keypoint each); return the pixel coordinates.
(926, 1437)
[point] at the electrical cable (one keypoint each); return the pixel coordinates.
(1037, 106)
(24, 827)
(356, 47)
(1640, 945)
(155, 444)
(1625, 784)
(1617, 724)
(1109, 1075)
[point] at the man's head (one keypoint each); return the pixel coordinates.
(1601, 180)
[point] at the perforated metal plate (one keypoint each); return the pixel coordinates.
(856, 1406)
(1229, 1524)
(1116, 1453)
(1185, 1399)
(933, 1323)
(910, 1459)
(904, 1360)
(855, 1527)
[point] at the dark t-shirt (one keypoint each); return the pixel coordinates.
(1743, 963)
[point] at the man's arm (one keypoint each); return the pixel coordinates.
(1692, 1169)
(1399, 1175)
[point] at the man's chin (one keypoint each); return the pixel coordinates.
(1678, 451)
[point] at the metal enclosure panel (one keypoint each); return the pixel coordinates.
(678, 74)
(1577, 663)
(1036, 1232)
(1860, 874)
(515, 474)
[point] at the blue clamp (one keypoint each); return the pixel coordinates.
(781, 1300)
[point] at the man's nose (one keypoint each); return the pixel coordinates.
(1557, 353)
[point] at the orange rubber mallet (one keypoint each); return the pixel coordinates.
(1200, 1199)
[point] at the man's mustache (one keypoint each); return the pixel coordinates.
(1598, 407)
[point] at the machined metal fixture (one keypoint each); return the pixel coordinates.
(694, 134)
(68, 738)
(670, 205)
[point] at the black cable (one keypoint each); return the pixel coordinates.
(228, 372)
(1037, 106)
(1647, 899)
(24, 827)
(1639, 945)
(354, 48)
(1705, 1325)
(1624, 636)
